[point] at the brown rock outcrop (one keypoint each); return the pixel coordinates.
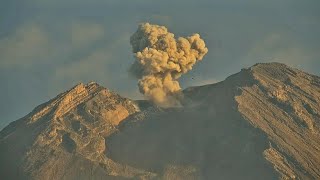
(261, 123)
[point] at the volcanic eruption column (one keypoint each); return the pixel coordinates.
(161, 60)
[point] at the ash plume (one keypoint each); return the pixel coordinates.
(161, 60)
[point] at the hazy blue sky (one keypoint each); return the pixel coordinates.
(47, 46)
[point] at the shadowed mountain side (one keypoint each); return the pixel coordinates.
(284, 103)
(216, 145)
(261, 123)
(269, 110)
(210, 136)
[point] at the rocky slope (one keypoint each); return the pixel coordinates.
(261, 123)
(65, 137)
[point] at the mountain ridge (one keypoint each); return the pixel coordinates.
(269, 112)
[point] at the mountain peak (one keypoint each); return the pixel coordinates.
(62, 103)
(281, 72)
(275, 65)
(74, 122)
(260, 123)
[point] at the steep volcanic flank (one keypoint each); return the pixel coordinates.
(261, 123)
(65, 137)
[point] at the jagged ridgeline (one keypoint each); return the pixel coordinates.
(260, 123)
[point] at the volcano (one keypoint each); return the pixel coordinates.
(260, 123)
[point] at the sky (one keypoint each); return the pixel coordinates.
(48, 46)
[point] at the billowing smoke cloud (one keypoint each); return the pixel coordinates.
(161, 60)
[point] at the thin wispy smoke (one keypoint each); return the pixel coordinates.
(161, 60)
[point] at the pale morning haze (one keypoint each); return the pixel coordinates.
(48, 46)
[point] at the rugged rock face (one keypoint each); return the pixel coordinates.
(65, 137)
(261, 123)
(283, 103)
